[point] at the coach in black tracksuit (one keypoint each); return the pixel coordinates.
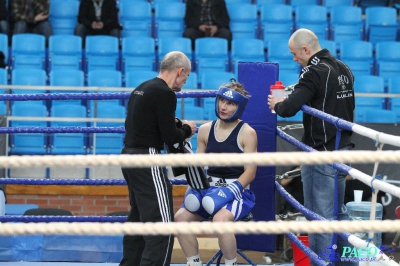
(150, 123)
(325, 84)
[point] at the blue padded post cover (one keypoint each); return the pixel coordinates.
(257, 78)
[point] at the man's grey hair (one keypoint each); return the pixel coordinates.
(305, 37)
(175, 60)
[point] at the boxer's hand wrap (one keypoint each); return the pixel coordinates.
(220, 196)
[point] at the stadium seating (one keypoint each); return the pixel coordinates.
(387, 58)
(4, 47)
(331, 46)
(318, 22)
(136, 18)
(358, 55)
(211, 54)
(28, 51)
(191, 81)
(276, 22)
(169, 19)
(297, 3)
(261, 3)
(246, 50)
(333, 3)
(394, 102)
(346, 24)
(378, 116)
(33, 77)
(135, 78)
(68, 143)
(381, 24)
(279, 52)
(63, 16)
(67, 78)
(138, 53)
(32, 143)
(109, 143)
(288, 78)
(166, 45)
(243, 20)
(3, 81)
(65, 52)
(102, 52)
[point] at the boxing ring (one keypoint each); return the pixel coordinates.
(257, 235)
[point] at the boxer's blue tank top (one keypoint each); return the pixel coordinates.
(229, 145)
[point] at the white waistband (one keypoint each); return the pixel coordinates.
(222, 182)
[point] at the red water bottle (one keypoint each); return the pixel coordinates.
(277, 90)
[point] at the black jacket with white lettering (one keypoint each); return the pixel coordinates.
(326, 84)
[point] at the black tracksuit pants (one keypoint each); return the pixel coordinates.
(150, 194)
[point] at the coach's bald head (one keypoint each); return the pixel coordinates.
(303, 44)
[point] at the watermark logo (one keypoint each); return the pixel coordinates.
(367, 253)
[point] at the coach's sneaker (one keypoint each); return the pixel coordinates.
(194, 263)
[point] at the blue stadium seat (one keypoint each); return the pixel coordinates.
(246, 50)
(364, 4)
(261, 3)
(3, 108)
(68, 143)
(103, 79)
(296, 3)
(32, 143)
(191, 112)
(67, 78)
(63, 16)
(378, 116)
(279, 52)
(288, 78)
(211, 54)
(334, 3)
(65, 52)
(331, 46)
(28, 51)
(169, 19)
(102, 52)
(33, 77)
(4, 47)
(228, 2)
(318, 22)
(166, 45)
(135, 78)
(387, 58)
(191, 81)
(346, 24)
(109, 143)
(135, 17)
(394, 102)
(243, 20)
(368, 84)
(381, 24)
(138, 53)
(276, 22)
(358, 55)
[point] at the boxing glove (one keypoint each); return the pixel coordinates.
(216, 199)
(192, 199)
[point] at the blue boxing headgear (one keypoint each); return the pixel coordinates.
(233, 96)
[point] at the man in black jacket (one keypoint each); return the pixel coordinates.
(325, 84)
(150, 123)
(97, 17)
(206, 18)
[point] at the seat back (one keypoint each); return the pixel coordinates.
(102, 52)
(68, 143)
(387, 57)
(279, 52)
(69, 78)
(28, 51)
(369, 84)
(138, 53)
(329, 4)
(318, 22)
(394, 87)
(135, 78)
(296, 3)
(169, 19)
(63, 16)
(346, 23)
(65, 51)
(246, 50)
(211, 54)
(379, 116)
(213, 80)
(243, 20)
(331, 46)
(191, 81)
(166, 45)
(33, 143)
(276, 22)
(33, 77)
(358, 55)
(135, 16)
(381, 24)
